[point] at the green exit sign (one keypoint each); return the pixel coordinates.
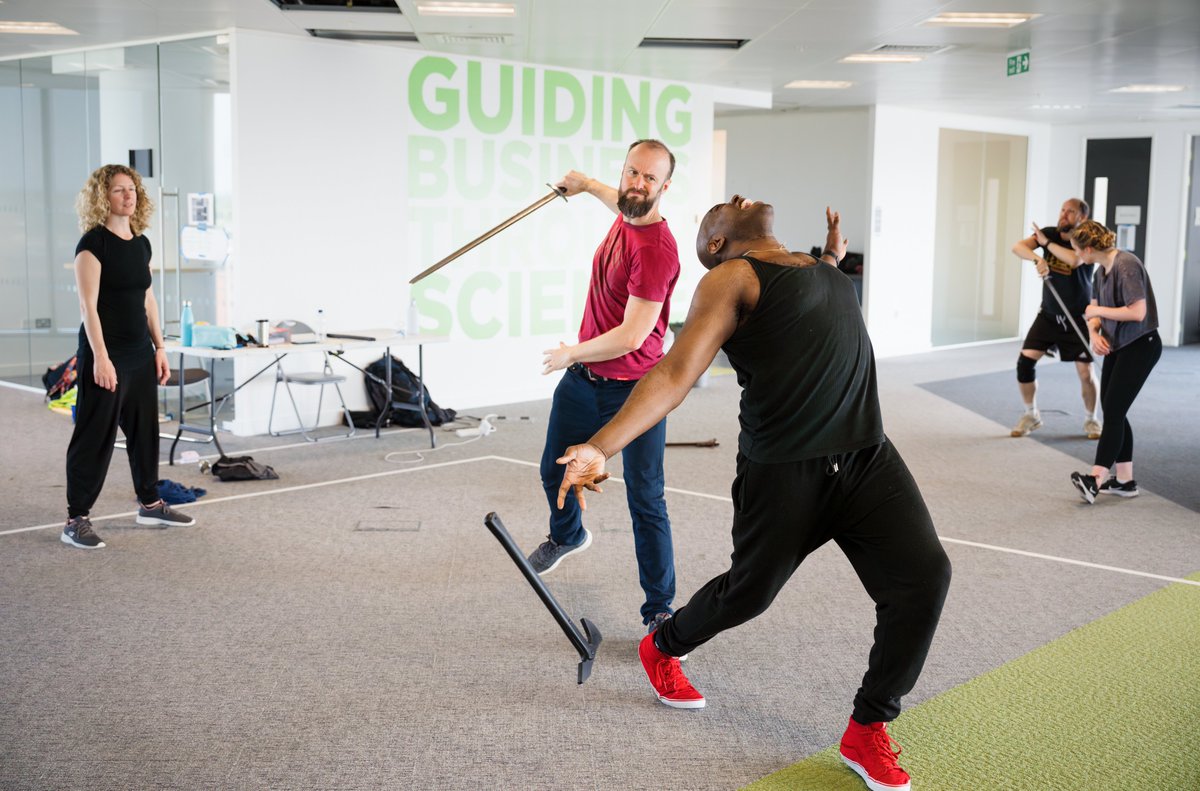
(1018, 63)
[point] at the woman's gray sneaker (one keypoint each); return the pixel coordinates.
(162, 514)
(79, 533)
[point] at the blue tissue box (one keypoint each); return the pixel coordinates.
(211, 336)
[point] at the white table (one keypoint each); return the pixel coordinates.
(334, 344)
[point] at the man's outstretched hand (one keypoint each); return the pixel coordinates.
(585, 469)
(834, 241)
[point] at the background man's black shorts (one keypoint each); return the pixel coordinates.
(1049, 332)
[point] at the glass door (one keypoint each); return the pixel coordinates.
(980, 211)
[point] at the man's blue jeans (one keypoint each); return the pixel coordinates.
(579, 409)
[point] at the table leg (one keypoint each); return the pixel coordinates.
(421, 392)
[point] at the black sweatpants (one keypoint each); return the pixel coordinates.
(866, 501)
(1121, 378)
(98, 413)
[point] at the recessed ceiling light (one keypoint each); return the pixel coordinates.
(1056, 107)
(1147, 89)
(979, 20)
(882, 57)
(37, 28)
(466, 9)
(819, 84)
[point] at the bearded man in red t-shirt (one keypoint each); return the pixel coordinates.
(634, 272)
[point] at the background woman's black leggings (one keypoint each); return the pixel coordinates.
(98, 413)
(868, 503)
(1121, 379)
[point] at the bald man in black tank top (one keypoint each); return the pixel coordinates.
(813, 465)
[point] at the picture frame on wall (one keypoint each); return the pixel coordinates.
(200, 208)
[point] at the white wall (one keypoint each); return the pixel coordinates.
(344, 190)
(1165, 227)
(898, 281)
(318, 193)
(801, 161)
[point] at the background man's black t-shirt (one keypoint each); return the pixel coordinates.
(121, 305)
(1073, 285)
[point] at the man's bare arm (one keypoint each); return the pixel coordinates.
(575, 182)
(720, 298)
(638, 322)
(711, 319)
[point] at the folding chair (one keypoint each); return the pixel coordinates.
(320, 378)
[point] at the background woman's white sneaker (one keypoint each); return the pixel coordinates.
(1028, 422)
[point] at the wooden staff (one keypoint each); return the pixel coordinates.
(522, 214)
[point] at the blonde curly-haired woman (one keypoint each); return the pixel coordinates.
(121, 355)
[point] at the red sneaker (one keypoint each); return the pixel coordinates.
(868, 750)
(667, 678)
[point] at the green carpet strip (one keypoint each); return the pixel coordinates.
(1113, 705)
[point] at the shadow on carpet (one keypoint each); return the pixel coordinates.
(1165, 418)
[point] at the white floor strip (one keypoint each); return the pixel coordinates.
(622, 481)
(26, 388)
(369, 434)
(1069, 561)
(264, 493)
(523, 463)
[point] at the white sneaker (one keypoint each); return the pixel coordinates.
(1027, 423)
(1092, 428)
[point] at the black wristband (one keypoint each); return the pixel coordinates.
(831, 254)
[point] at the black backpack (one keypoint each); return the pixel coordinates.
(242, 468)
(61, 378)
(406, 399)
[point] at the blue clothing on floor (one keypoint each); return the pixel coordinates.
(174, 493)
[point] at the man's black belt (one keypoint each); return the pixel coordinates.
(588, 374)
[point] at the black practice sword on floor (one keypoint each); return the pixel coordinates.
(585, 643)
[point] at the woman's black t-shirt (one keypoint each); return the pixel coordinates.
(121, 305)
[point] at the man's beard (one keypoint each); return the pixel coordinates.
(633, 209)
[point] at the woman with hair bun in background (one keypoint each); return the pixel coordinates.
(1123, 328)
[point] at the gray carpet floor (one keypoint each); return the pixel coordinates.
(1165, 417)
(354, 625)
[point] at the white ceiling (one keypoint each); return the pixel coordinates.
(1080, 49)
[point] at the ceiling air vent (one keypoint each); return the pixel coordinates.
(386, 6)
(912, 49)
(364, 35)
(467, 38)
(694, 43)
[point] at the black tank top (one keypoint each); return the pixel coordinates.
(805, 364)
(121, 304)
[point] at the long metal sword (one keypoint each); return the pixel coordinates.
(1086, 344)
(522, 214)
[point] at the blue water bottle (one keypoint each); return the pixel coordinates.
(185, 324)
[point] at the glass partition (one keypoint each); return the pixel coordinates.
(980, 211)
(15, 323)
(62, 116)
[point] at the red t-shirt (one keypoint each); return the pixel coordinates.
(633, 261)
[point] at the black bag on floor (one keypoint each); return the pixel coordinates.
(406, 399)
(61, 378)
(242, 468)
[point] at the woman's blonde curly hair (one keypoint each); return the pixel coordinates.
(92, 202)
